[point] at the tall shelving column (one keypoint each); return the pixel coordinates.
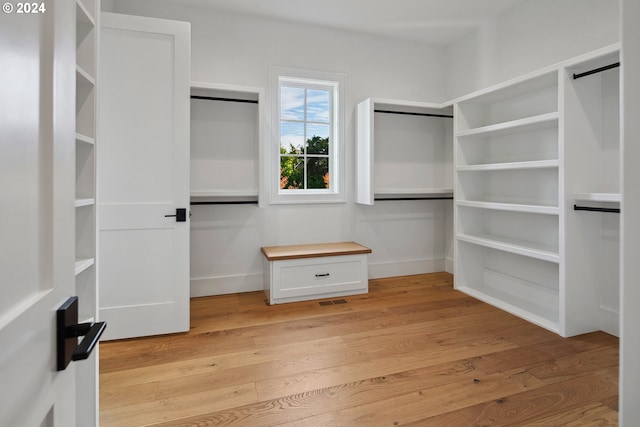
(507, 191)
(87, 12)
(592, 181)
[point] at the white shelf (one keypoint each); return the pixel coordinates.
(85, 202)
(535, 164)
(515, 246)
(598, 197)
(83, 14)
(84, 138)
(83, 264)
(513, 207)
(83, 77)
(528, 124)
(426, 193)
(219, 196)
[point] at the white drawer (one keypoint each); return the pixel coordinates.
(321, 277)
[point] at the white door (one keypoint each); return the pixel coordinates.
(143, 175)
(37, 192)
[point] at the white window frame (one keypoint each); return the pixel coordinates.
(311, 80)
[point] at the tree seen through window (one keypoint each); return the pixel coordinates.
(305, 128)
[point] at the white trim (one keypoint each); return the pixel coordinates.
(222, 285)
(378, 270)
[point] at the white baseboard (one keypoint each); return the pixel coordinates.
(405, 268)
(221, 285)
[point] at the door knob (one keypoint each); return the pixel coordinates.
(181, 215)
(68, 331)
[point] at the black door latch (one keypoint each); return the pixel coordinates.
(181, 215)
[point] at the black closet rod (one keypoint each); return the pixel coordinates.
(239, 202)
(587, 208)
(412, 198)
(596, 70)
(412, 114)
(217, 98)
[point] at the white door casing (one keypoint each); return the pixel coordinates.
(37, 187)
(143, 175)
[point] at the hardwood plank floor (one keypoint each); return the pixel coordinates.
(412, 352)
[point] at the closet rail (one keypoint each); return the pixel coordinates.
(218, 98)
(587, 208)
(596, 70)
(407, 113)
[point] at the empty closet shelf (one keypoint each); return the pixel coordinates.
(513, 207)
(520, 247)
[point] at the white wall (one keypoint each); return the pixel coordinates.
(527, 37)
(238, 50)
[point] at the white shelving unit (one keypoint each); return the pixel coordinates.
(86, 213)
(507, 180)
(403, 151)
(226, 143)
(525, 153)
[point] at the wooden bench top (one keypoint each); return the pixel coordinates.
(276, 253)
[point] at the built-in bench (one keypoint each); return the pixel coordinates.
(324, 270)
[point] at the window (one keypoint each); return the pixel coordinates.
(307, 137)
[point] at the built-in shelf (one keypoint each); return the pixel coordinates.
(416, 193)
(515, 246)
(598, 197)
(86, 280)
(83, 15)
(536, 164)
(224, 116)
(403, 151)
(513, 207)
(83, 77)
(84, 138)
(528, 124)
(85, 202)
(83, 264)
(224, 197)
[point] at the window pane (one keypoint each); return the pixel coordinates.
(317, 139)
(318, 172)
(291, 103)
(291, 173)
(291, 138)
(318, 105)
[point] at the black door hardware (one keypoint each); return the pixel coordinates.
(181, 215)
(68, 331)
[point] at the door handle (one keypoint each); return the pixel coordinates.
(180, 216)
(68, 331)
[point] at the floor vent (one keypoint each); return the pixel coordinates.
(335, 301)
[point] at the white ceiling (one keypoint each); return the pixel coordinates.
(426, 21)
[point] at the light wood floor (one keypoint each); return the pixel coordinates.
(413, 352)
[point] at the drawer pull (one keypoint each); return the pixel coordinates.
(322, 275)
